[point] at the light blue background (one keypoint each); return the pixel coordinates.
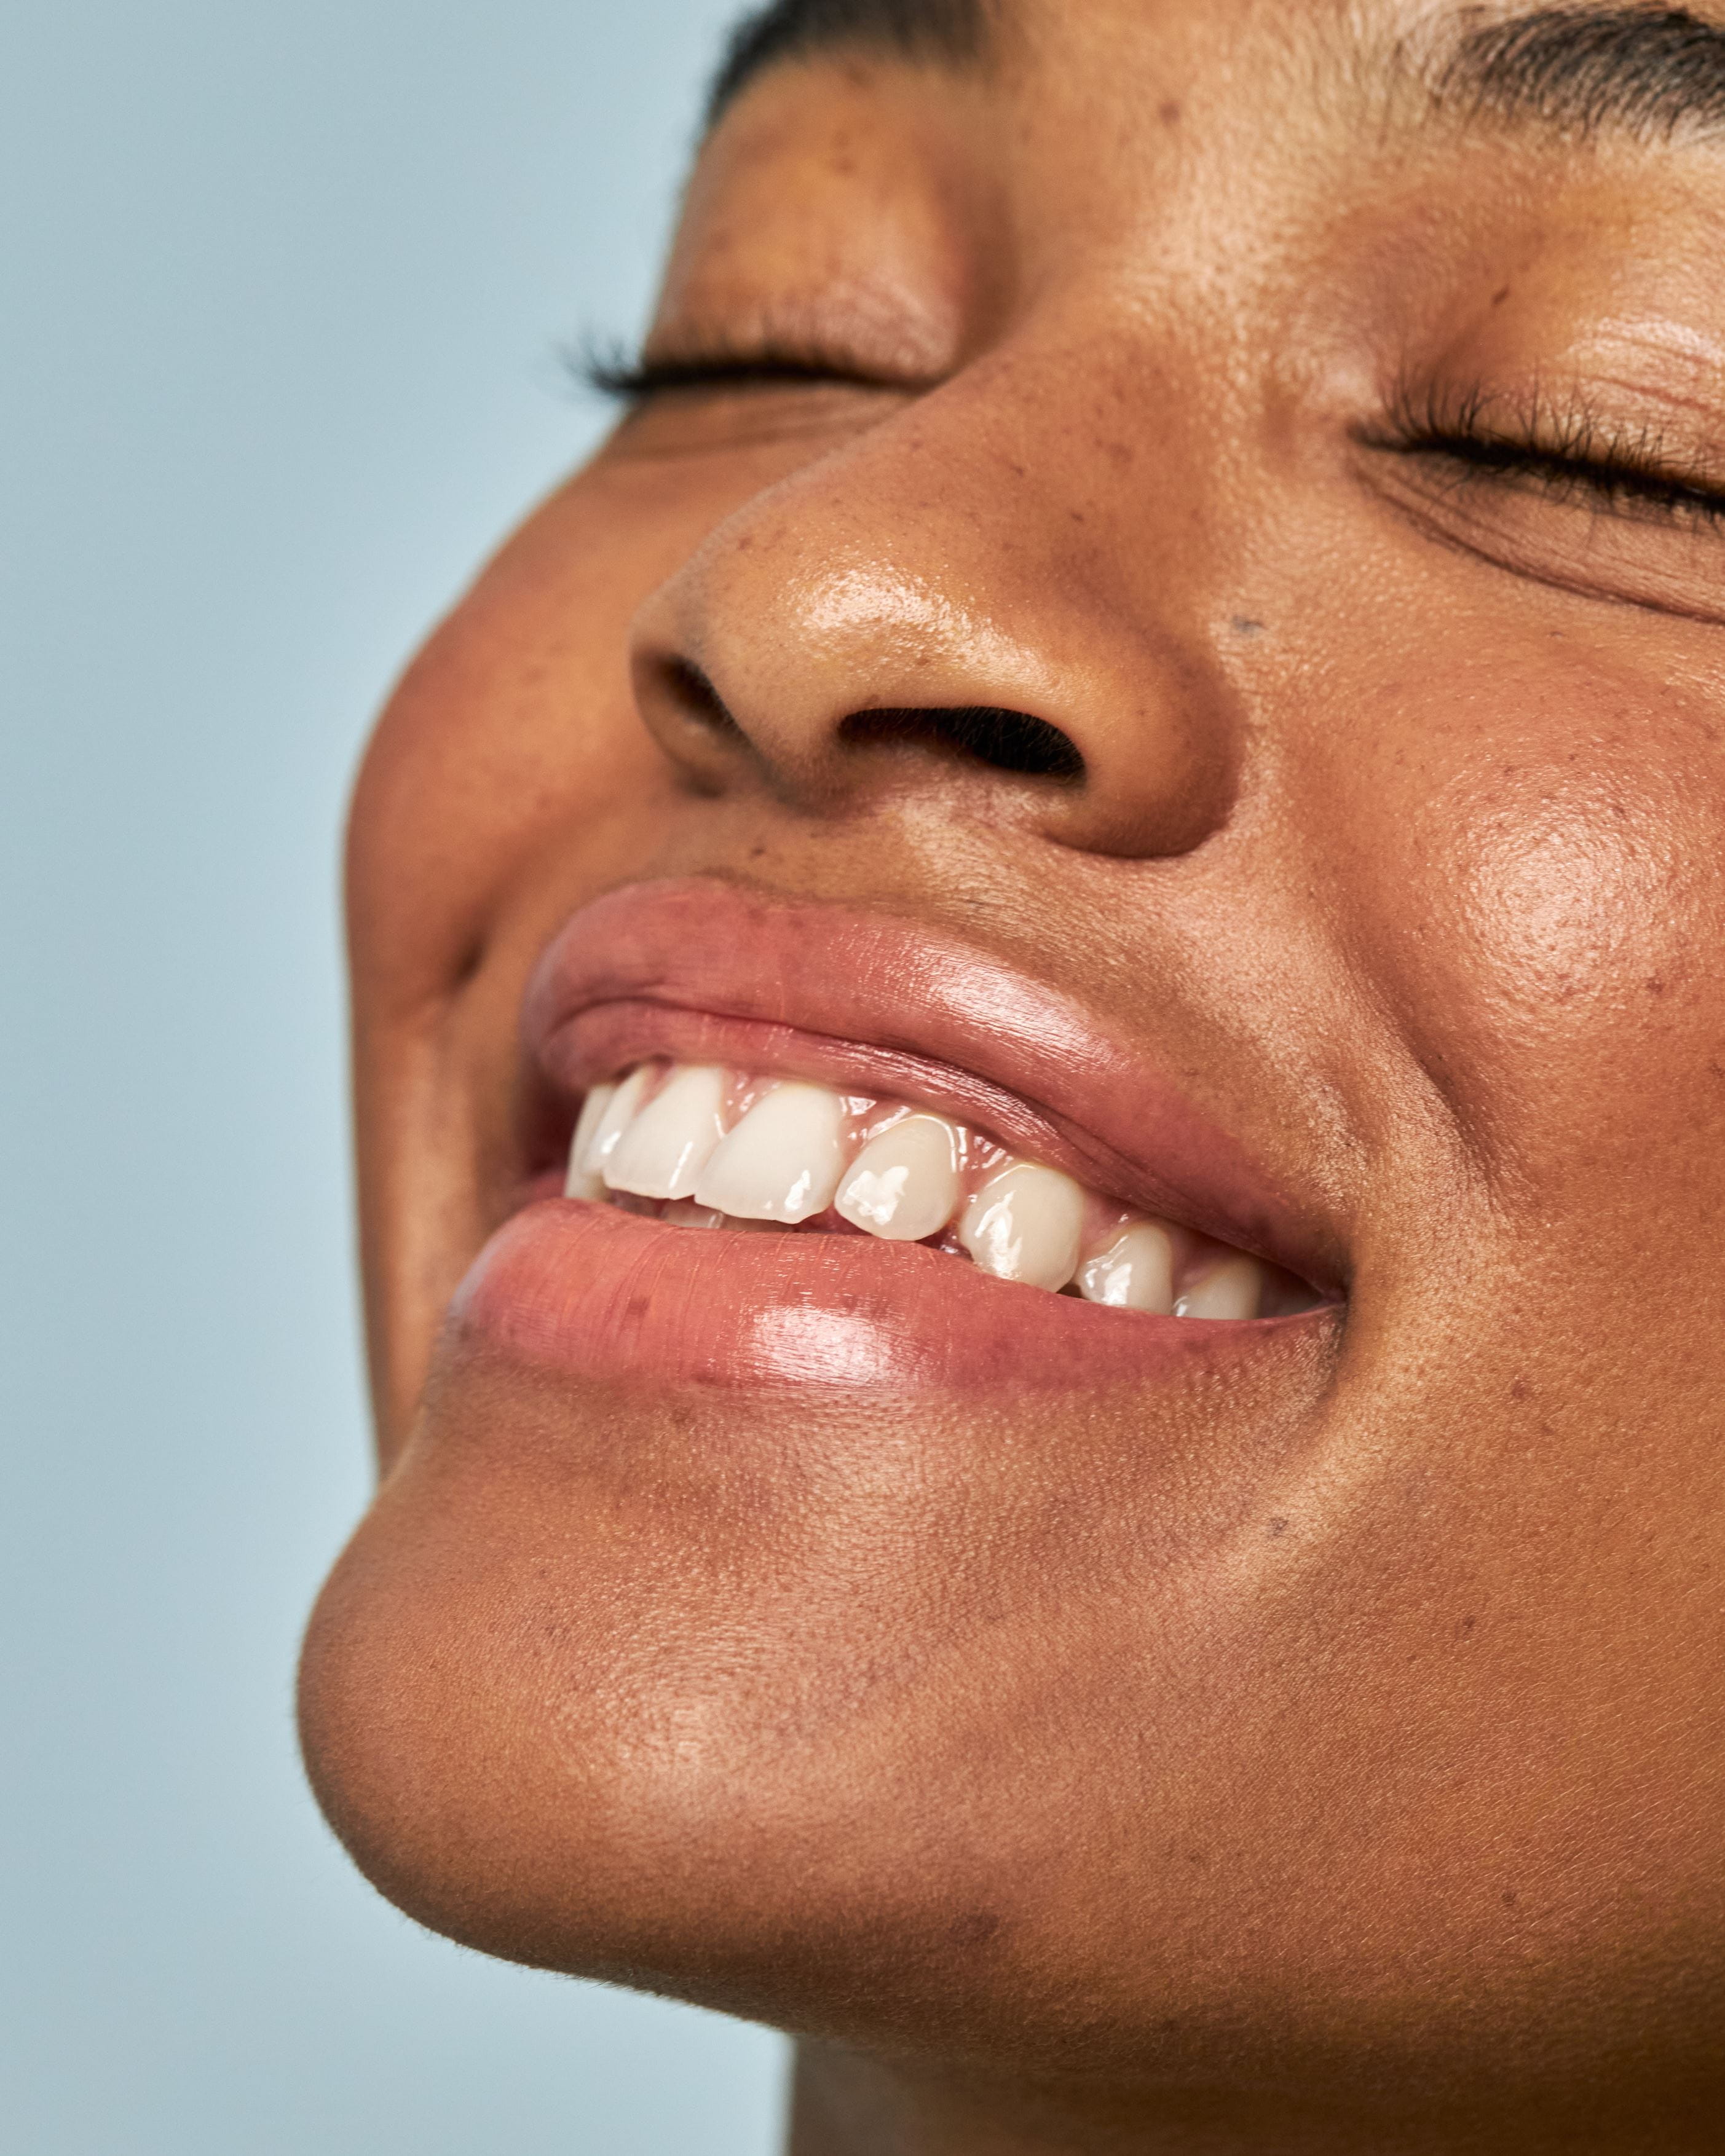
(279, 291)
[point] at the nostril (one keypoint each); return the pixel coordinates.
(696, 699)
(1006, 741)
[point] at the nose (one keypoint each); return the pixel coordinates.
(915, 612)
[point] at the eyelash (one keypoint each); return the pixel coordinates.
(612, 374)
(1567, 448)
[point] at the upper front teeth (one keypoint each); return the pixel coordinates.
(661, 1152)
(606, 1114)
(904, 1184)
(782, 1161)
(797, 1151)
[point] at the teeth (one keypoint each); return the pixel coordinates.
(904, 1184)
(1135, 1272)
(1023, 1225)
(783, 1160)
(793, 1153)
(1231, 1289)
(613, 1121)
(579, 1182)
(685, 1213)
(665, 1148)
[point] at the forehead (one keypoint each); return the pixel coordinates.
(849, 125)
(1581, 67)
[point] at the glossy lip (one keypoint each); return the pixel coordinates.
(699, 969)
(602, 1295)
(702, 968)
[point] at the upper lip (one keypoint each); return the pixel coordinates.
(701, 968)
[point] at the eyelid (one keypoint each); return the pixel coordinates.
(627, 380)
(1566, 442)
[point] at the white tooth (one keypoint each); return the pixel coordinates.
(618, 1110)
(579, 1183)
(904, 1184)
(782, 1161)
(671, 1140)
(685, 1213)
(1135, 1272)
(1229, 1290)
(1023, 1224)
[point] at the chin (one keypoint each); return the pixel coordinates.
(742, 1698)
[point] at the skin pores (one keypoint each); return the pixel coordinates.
(1304, 1728)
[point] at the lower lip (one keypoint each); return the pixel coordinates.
(603, 1294)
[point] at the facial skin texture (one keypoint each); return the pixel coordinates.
(1324, 1754)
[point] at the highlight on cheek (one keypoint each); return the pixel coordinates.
(1576, 890)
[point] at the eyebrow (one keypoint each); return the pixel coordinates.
(1652, 72)
(951, 32)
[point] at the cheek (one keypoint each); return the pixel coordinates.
(1573, 903)
(1539, 897)
(515, 718)
(513, 744)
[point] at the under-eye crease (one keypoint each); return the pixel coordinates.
(1560, 447)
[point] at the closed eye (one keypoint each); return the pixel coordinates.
(1565, 452)
(633, 380)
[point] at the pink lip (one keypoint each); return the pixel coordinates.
(606, 1295)
(700, 969)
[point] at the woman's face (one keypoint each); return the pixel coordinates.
(1312, 416)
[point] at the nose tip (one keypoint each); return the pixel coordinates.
(828, 685)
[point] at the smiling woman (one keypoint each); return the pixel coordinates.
(1042, 1103)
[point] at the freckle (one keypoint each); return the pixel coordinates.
(1519, 1390)
(1466, 1625)
(637, 1307)
(1510, 1898)
(1168, 112)
(1656, 987)
(1278, 1526)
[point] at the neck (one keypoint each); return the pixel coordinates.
(848, 2104)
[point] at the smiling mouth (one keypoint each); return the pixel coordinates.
(765, 1142)
(708, 1146)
